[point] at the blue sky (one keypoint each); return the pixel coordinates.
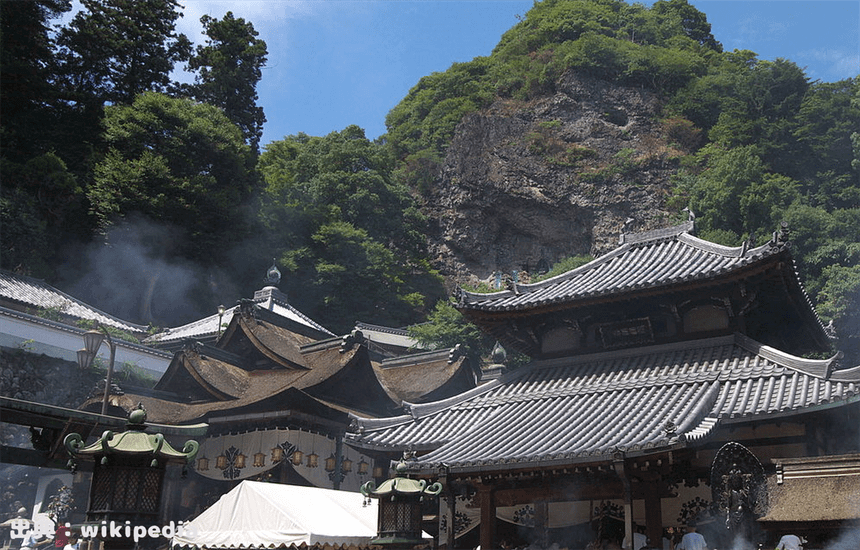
(333, 63)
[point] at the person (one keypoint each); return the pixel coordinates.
(790, 542)
(31, 540)
(73, 544)
(692, 540)
(61, 537)
(639, 540)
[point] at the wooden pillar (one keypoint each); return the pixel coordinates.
(448, 506)
(654, 514)
(542, 522)
(621, 470)
(488, 517)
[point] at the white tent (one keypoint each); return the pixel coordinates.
(270, 515)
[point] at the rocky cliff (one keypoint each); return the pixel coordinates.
(525, 184)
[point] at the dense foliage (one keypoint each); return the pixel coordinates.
(94, 132)
(351, 238)
(180, 162)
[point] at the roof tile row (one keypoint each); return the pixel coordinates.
(579, 408)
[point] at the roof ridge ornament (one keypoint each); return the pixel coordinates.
(455, 353)
(780, 236)
(625, 227)
(273, 275)
(356, 337)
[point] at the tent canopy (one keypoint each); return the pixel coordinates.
(270, 515)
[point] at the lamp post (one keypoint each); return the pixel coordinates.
(92, 341)
(221, 310)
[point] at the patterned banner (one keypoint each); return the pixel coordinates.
(311, 455)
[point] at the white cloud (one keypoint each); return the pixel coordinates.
(263, 14)
(832, 64)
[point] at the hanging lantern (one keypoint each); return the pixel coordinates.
(240, 461)
(221, 462)
(379, 471)
(202, 464)
(297, 457)
(346, 466)
(363, 467)
(259, 460)
(277, 454)
(330, 463)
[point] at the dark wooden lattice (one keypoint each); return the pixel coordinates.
(400, 518)
(122, 491)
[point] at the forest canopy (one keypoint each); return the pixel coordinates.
(95, 133)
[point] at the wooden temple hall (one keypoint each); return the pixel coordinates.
(273, 391)
(671, 383)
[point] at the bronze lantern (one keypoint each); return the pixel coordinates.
(400, 507)
(128, 473)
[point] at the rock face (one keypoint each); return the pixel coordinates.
(526, 184)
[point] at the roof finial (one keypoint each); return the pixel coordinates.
(624, 230)
(691, 216)
(273, 275)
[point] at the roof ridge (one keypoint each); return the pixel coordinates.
(392, 330)
(39, 283)
(403, 360)
(818, 368)
(420, 410)
(659, 234)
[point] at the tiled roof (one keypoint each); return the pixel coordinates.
(272, 300)
(36, 294)
(387, 335)
(645, 260)
(587, 408)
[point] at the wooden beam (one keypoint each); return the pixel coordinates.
(560, 492)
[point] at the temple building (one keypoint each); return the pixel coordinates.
(672, 381)
(276, 391)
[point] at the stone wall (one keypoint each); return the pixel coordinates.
(42, 379)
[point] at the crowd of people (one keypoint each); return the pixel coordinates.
(34, 538)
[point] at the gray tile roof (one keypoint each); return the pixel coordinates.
(582, 409)
(36, 294)
(646, 260)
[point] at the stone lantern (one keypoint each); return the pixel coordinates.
(400, 501)
(128, 474)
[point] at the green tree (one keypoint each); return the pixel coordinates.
(114, 50)
(425, 119)
(229, 67)
(26, 58)
(761, 109)
(839, 300)
(41, 202)
(179, 162)
(446, 327)
(678, 16)
(351, 237)
(735, 192)
(823, 127)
